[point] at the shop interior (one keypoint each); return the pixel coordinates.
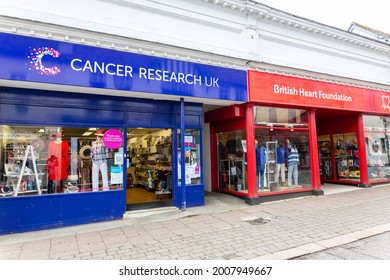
(149, 168)
(339, 151)
(338, 148)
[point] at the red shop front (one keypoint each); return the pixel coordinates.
(296, 134)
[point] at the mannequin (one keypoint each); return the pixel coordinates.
(293, 162)
(280, 163)
(99, 153)
(261, 160)
(57, 163)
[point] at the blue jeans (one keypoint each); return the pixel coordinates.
(292, 172)
(260, 172)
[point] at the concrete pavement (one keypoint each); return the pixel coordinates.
(226, 228)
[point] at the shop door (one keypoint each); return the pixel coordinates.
(149, 168)
(338, 148)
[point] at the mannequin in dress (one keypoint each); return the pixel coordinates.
(57, 163)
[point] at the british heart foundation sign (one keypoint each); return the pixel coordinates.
(278, 89)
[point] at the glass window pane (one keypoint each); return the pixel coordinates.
(192, 157)
(346, 156)
(377, 147)
(232, 169)
(282, 159)
(280, 117)
(45, 160)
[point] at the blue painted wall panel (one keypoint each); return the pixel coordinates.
(28, 213)
(24, 114)
(194, 196)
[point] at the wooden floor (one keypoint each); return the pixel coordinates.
(140, 195)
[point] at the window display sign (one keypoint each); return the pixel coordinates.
(113, 139)
(278, 89)
(116, 175)
(48, 61)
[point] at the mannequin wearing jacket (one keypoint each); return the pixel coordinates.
(261, 160)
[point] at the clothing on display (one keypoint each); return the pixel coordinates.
(293, 162)
(261, 160)
(99, 153)
(280, 163)
(59, 153)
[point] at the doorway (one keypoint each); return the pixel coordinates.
(338, 148)
(149, 168)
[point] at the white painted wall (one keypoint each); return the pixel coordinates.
(236, 29)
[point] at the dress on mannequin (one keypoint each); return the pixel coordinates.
(57, 162)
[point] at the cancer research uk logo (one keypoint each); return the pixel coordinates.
(35, 59)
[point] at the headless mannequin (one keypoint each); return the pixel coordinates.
(57, 164)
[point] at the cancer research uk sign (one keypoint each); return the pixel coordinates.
(24, 58)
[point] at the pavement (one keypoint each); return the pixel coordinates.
(224, 229)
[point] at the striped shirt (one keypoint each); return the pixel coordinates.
(293, 156)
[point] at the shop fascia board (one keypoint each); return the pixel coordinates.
(316, 76)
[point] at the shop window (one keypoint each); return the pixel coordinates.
(280, 117)
(282, 149)
(377, 147)
(231, 161)
(282, 159)
(346, 156)
(192, 157)
(48, 160)
(325, 157)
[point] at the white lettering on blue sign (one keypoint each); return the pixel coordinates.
(101, 67)
(113, 69)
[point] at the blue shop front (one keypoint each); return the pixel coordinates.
(79, 144)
